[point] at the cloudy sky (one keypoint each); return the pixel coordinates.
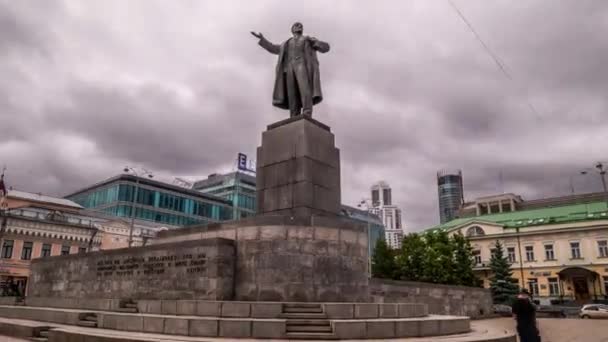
(180, 87)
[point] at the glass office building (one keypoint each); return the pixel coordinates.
(451, 194)
(376, 227)
(236, 187)
(156, 201)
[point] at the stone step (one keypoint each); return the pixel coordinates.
(308, 322)
(311, 336)
(303, 310)
(127, 310)
(44, 333)
(92, 318)
(485, 331)
(38, 339)
(131, 305)
(88, 324)
(309, 328)
(299, 315)
(301, 305)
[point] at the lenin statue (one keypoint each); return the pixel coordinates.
(297, 84)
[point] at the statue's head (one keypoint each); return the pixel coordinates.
(297, 28)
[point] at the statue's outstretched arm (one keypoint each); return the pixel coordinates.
(319, 45)
(266, 44)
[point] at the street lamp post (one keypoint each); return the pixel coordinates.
(601, 170)
(521, 261)
(137, 174)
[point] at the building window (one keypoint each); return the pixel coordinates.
(533, 286)
(553, 287)
(397, 219)
(65, 250)
(529, 253)
(375, 197)
(26, 251)
(475, 231)
(602, 247)
(575, 250)
(606, 285)
(386, 196)
(389, 222)
(477, 257)
(46, 250)
(7, 249)
(549, 253)
(82, 250)
(511, 254)
(483, 209)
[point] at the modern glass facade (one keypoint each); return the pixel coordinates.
(451, 194)
(237, 187)
(376, 228)
(156, 201)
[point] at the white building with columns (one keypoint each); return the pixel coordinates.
(390, 214)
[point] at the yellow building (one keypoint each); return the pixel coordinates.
(38, 226)
(558, 247)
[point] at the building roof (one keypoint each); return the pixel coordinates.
(219, 179)
(43, 199)
(536, 217)
(152, 183)
(361, 215)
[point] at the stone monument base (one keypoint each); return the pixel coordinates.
(283, 258)
(264, 258)
(298, 169)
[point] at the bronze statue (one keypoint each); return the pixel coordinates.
(297, 84)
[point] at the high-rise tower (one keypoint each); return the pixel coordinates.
(382, 205)
(451, 194)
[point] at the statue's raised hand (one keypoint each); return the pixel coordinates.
(258, 35)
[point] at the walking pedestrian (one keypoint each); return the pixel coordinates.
(524, 313)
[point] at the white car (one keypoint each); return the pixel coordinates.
(594, 311)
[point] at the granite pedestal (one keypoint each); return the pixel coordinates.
(298, 169)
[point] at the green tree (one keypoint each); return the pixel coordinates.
(383, 261)
(410, 260)
(438, 264)
(463, 262)
(501, 284)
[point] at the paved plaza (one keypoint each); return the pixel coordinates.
(562, 330)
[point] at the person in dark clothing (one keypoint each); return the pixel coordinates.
(525, 315)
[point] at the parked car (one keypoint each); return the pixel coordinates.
(550, 311)
(594, 311)
(502, 310)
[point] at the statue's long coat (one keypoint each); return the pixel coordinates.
(279, 94)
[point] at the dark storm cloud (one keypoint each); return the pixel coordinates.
(181, 87)
(14, 33)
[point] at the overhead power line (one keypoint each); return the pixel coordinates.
(494, 56)
(501, 65)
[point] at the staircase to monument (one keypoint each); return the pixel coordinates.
(128, 306)
(307, 321)
(42, 335)
(88, 319)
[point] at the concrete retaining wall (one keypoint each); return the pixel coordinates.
(8, 300)
(199, 269)
(292, 259)
(232, 309)
(441, 299)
